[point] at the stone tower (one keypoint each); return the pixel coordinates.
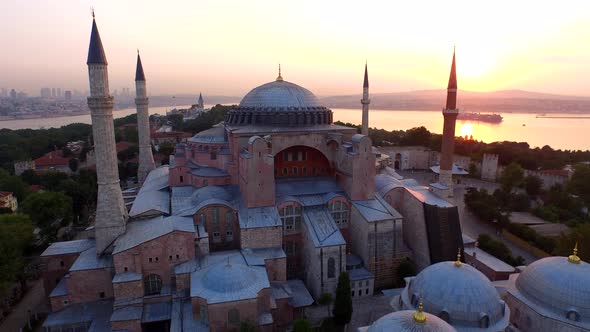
(111, 214)
(489, 167)
(146, 159)
(365, 102)
(450, 113)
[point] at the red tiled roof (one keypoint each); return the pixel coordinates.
(5, 193)
(171, 134)
(558, 172)
(53, 158)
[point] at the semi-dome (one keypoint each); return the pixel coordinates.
(279, 103)
(229, 278)
(559, 285)
(459, 294)
(210, 192)
(402, 321)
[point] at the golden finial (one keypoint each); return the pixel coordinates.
(92, 10)
(420, 316)
(574, 258)
(280, 78)
(458, 262)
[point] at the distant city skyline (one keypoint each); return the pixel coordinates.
(226, 47)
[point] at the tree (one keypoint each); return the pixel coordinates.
(326, 299)
(580, 235)
(533, 185)
(472, 170)
(31, 177)
(405, 269)
(73, 164)
(48, 211)
(302, 325)
(166, 149)
(51, 180)
(16, 235)
(248, 326)
(13, 184)
(512, 176)
(580, 183)
(343, 303)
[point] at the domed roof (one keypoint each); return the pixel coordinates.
(229, 278)
(210, 192)
(404, 321)
(280, 94)
(558, 285)
(457, 291)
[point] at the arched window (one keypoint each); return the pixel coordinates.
(484, 322)
(573, 315)
(233, 316)
(229, 217)
(339, 210)
(152, 284)
(291, 217)
(331, 268)
(444, 315)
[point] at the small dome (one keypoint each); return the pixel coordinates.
(558, 285)
(461, 293)
(401, 321)
(229, 278)
(210, 192)
(280, 94)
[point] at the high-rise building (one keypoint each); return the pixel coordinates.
(111, 213)
(13, 94)
(146, 159)
(58, 91)
(45, 93)
(68, 95)
(52, 92)
(3, 93)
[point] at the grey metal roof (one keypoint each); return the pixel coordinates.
(360, 274)
(89, 260)
(153, 196)
(457, 170)
(265, 318)
(127, 313)
(141, 231)
(259, 217)
(139, 75)
(373, 210)
(126, 277)
(209, 172)
(95, 50)
(96, 313)
(267, 130)
(68, 247)
(306, 186)
(190, 324)
(215, 135)
(280, 94)
(557, 285)
(489, 260)
(256, 257)
(228, 282)
(60, 289)
(403, 321)
(385, 183)
(322, 228)
(463, 292)
(156, 312)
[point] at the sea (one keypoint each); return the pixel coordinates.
(563, 132)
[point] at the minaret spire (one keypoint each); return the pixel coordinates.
(280, 78)
(452, 86)
(111, 213)
(365, 103)
(146, 158)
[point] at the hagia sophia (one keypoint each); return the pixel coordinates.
(254, 219)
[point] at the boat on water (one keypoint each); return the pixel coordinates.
(481, 117)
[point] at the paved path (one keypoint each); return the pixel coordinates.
(470, 224)
(18, 317)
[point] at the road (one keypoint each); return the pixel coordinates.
(470, 224)
(32, 300)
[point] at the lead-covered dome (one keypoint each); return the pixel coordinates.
(404, 321)
(558, 285)
(279, 103)
(459, 294)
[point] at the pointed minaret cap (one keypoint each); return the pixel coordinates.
(574, 258)
(279, 78)
(95, 50)
(139, 75)
(366, 81)
(453, 75)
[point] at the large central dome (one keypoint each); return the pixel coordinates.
(280, 94)
(279, 104)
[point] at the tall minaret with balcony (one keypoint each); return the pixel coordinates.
(450, 113)
(111, 214)
(365, 102)
(146, 158)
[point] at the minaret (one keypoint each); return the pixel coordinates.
(365, 102)
(200, 103)
(111, 214)
(146, 159)
(450, 113)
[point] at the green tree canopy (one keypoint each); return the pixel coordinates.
(16, 235)
(48, 211)
(343, 302)
(580, 183)
(302, 325)
(533, 185)
(512, 176)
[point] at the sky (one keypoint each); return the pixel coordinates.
(223, 47)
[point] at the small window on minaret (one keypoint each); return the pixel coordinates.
(181, 179)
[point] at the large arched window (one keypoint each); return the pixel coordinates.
(339, 210)
(152, 284)
(331, 268)
(233, 316)
(291, 217)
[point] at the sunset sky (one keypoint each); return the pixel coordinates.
(225, 47)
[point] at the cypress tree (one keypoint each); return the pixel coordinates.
(343, 302)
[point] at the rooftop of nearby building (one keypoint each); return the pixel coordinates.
(68, 247)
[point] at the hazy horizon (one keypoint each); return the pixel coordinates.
(225, 48)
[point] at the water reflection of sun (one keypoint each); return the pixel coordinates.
(466, 129)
